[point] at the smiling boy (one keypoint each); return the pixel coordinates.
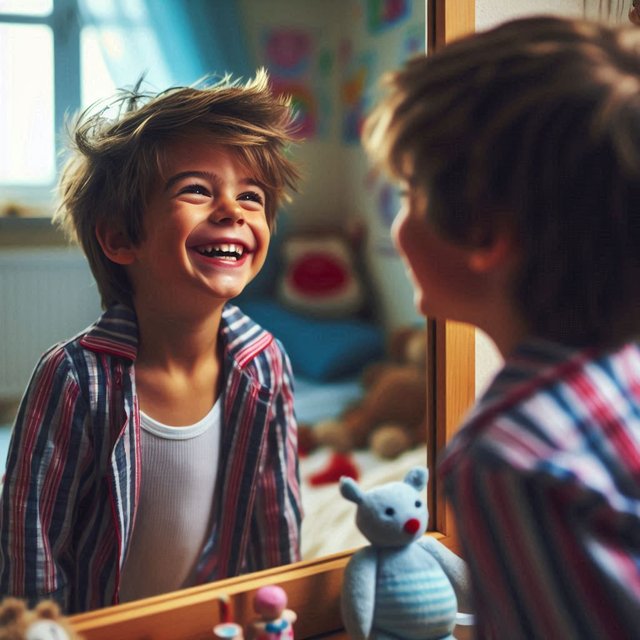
(157, 449)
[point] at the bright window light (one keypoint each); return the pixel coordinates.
(27, 7)
(97, 83)
(26, 124)
(113, 45)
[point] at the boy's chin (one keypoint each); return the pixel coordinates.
(229, 290)
(229, 294)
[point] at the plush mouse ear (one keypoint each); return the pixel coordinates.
(350, 490)
(417, 478)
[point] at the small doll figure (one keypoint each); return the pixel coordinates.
(276, 621)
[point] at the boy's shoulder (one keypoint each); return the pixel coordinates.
(245, 340)
(541, 368)
(536, 400)
(115, 331)
(81, 356)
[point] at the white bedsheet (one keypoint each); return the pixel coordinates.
(329, 521)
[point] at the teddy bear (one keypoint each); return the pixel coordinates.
(403, 584)
(44, 622)
(391, 416)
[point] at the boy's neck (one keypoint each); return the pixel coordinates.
(503, 325)
(507, 338)
(176, 339)
(179, 364)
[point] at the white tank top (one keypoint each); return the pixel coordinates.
(173, 520)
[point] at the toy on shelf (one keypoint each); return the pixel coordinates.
(44, 622)
(226, 628)
(276, 621)
(404, 584)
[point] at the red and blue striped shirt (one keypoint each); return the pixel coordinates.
(73, 474)
(544, 480)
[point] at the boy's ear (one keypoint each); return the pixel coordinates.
(115, 243)
(495, 253)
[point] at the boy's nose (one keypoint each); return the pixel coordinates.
(227, 211)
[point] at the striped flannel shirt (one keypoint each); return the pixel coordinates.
(544, 480)
(73, 475)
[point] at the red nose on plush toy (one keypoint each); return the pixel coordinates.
(412, 525)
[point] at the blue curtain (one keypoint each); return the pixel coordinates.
(171, 42)
(209, 32)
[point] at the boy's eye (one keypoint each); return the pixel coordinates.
(251, 196)
(195, 188)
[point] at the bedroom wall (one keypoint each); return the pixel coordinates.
(378, 46)
(330, 55)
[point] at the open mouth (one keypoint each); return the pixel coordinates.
(224, 251)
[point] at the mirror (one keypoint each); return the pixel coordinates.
(330, 56)
(190, 613)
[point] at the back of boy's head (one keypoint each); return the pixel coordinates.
(532, 127)
(117, 153)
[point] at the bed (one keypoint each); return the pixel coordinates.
(329, 522)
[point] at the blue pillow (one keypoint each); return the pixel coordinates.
(319, 349)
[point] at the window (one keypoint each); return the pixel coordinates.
(27, 112)
(57, 56)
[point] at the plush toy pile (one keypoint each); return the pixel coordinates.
(404, 584)
(390, 417)
(45, 622)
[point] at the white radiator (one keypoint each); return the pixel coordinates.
(46, 295)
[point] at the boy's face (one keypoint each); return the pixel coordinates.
(444, 285)
(205, 229)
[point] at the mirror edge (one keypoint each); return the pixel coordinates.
(185, 614)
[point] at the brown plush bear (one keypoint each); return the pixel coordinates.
(391, 417)
(45, 622)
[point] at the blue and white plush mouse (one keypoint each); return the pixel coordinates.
(404, 584)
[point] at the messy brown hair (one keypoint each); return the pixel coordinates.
(534, 124)
(116, 154)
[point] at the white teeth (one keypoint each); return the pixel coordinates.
(223, 250)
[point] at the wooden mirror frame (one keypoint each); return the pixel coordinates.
(314, 586)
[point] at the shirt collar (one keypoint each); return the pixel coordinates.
(116, 333)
